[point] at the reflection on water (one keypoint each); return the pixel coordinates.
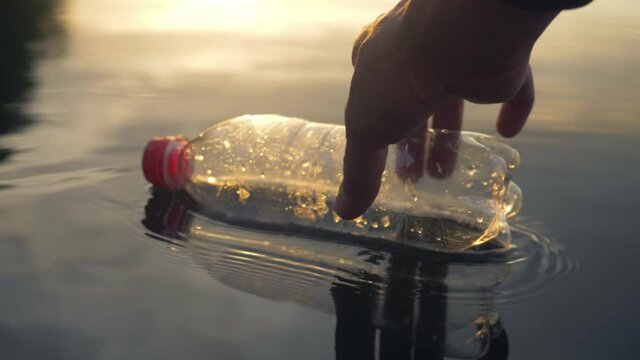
(154, 66)
(390, 302)
(26, 28)
(240, 16)
(253, 46)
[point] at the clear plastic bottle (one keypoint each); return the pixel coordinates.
(281, 173)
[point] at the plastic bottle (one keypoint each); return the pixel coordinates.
(280, 173)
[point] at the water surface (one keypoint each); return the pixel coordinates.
(89, 274)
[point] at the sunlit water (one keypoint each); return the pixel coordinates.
(88, 82)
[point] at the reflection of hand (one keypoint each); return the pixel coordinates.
(421, 59)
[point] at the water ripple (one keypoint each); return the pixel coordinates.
(284, 265)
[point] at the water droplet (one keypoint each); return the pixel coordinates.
(226, 144)
(374, 225)
(336, 218)
(414, 197)
(198, 158)
(262, 175)
(212, 180)
(386, 222)
(480, 219)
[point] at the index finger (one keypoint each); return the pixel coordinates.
(381, 110)
(362, 172)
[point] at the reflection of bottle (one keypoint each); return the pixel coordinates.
(412, 302)
(283, 173)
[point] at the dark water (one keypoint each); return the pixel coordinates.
(95, 266)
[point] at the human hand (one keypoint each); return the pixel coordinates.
(422, 59)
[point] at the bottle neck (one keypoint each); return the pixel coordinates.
(176, 164)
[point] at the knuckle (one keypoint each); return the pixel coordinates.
(484, 83)
(491, 89)
(375, 42)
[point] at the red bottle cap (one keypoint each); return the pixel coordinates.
(163, 162)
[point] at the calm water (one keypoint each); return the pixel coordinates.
(96, 266)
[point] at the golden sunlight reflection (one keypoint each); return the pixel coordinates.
(245, 16)
(293, 57)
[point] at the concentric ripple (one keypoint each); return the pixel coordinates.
(292, 267)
